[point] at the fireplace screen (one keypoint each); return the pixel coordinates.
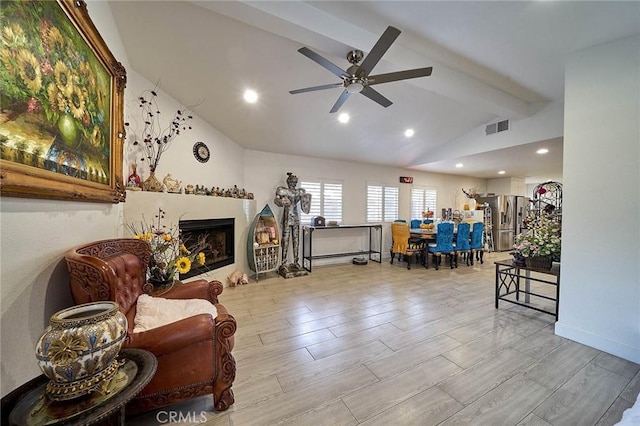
(219, 234)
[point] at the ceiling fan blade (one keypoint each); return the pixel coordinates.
(340, 101)
(374, 95)
(314, 88)
(322, 61)
(399, 75)
(382, 45)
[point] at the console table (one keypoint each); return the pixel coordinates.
(307, 243)
(508, 282)
(27, 404)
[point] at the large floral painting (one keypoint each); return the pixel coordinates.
(61, 106)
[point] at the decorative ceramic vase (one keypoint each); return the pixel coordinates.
(152, 183)
(78, 350)
(68, 131)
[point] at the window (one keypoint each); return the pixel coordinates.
(422, 199)
(382, 203)
(326, 200)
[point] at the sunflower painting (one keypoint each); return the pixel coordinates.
(55, 103)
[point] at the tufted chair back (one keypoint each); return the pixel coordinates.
(444, 238)
(476, 235)
(113, 270)
(443, 244)
(462, 239)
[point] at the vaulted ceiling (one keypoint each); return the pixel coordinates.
(491, 61)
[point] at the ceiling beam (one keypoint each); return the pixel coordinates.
(315, 28)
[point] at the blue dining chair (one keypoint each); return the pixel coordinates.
(415, 223)
(462, 245)
(443, 245)
(477, 243)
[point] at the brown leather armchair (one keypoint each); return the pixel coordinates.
(194, 354)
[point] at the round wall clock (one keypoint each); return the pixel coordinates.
(201, 152)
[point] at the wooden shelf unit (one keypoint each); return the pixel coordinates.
(263, 243)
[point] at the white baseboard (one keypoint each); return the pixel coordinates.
(619, 349)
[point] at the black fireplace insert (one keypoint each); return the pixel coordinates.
(219, 235)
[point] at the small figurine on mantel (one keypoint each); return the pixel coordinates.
(188, 189)
(134, 181)
(172, 184)
(200, 190)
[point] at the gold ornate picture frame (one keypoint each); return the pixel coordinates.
(61, 105)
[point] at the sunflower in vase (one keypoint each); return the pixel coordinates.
(170, 254)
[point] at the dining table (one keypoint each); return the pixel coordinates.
(430, 234)
(425, 234)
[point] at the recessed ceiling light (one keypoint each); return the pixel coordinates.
(250, 96)
(542, 151)
(409, 132)
(344, 117)
(501, 172)
(459, 165)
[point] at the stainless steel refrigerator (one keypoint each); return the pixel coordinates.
(507, 215)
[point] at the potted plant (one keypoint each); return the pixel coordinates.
(540, 244)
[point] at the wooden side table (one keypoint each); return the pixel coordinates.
(27, 404)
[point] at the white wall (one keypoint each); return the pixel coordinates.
(224, 168)
(545, 123)
(35, 235)
(600, 289)
(264, 172)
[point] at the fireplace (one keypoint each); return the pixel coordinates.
(219, 234)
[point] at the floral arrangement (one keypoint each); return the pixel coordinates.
(47, 70)
(169, 253)
(154, 139)
(542, 238)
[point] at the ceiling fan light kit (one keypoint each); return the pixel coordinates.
(355, 87)
(356, 78)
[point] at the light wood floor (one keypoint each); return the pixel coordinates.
(382, 345)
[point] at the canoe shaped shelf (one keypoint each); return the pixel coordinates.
(263, 243)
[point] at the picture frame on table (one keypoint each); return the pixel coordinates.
(62, 113)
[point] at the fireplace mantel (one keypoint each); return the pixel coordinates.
(192, 207)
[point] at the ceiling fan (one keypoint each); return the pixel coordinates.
(356, 78)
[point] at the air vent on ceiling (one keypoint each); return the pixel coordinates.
(500, 126)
